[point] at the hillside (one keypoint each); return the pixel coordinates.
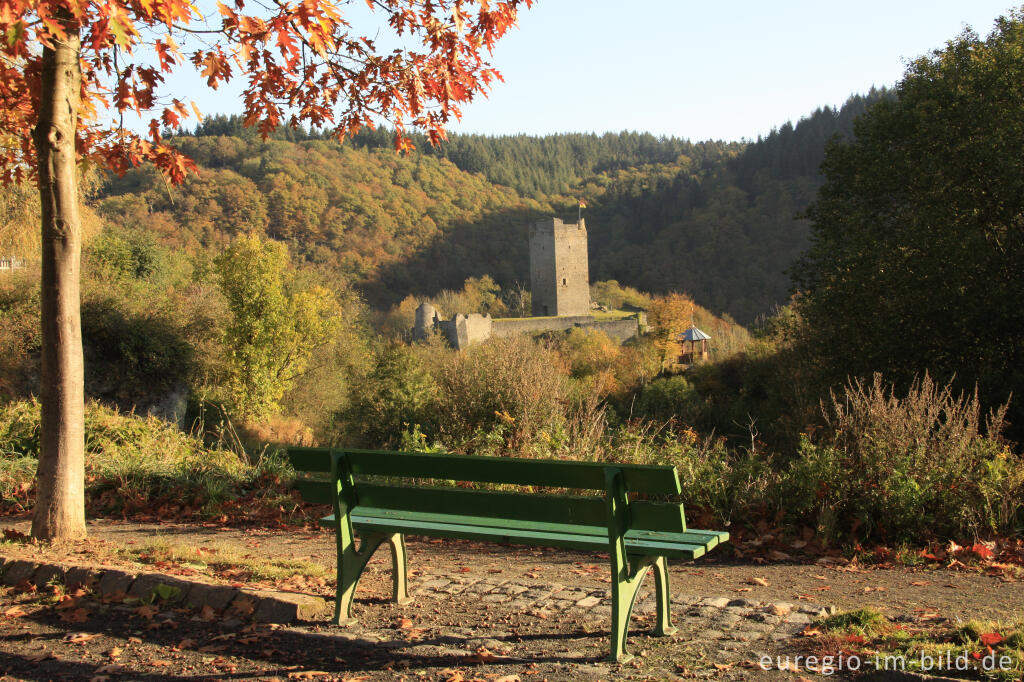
(718, 220)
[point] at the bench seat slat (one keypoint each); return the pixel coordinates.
(652, 516)
(641, 478)
(368, 518)
(504, 534)
(588, 511)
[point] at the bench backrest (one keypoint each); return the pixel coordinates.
(515, 506)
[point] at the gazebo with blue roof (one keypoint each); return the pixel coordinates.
(693, 335)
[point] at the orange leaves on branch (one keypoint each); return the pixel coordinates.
(300, 61)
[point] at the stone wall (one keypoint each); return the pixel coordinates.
(512, 325)
(618, 330)
(464, 330)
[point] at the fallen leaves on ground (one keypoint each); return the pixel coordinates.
(482, 655)
(991, 638)
(147, 611)
(78, 615)
(244, 606)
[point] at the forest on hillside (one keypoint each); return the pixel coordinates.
(717, 220)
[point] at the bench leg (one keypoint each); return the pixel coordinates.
(623, 599)
(400, 568)
(664, 626)
(351, 562)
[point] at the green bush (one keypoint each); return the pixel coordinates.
(722, 484)
(134, 463)
(397, 394)
(669, 398)
(907, 468)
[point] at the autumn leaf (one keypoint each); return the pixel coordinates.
(482, 655)
(78, 615)
(80, 637)
(207, 614)
(982, 551)
(15, 612)
(244, 606)
(449, 675)
(147, 611)
(758, 581)
(991, 639)
(404, 623)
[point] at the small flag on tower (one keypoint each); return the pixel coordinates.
(583, 204)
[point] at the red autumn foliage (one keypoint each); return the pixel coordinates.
(301, 62)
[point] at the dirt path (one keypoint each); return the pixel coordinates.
(534, 613)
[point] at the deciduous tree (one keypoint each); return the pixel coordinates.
(917, 261)
(67, 65)
(669, 315)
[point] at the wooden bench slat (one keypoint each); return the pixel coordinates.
(520, 536)
(707, 539)
(310, 459)
(591, 511)
(653, 516)
(640, 478)
(316, 492)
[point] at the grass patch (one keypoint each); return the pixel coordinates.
(973, 650)
(612, 315)
(218, 559)
(861, 622)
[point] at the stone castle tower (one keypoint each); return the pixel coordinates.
(559, 271)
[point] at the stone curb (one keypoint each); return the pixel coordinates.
(263, 605)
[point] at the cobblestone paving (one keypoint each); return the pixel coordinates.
(721, 630)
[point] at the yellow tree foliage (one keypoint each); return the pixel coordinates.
(668, 316)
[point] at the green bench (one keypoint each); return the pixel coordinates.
(638, 534)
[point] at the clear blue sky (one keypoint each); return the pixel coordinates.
(700, 70)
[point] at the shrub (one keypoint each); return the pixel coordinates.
(135, 463)
(903, 469)
(395, 395)
(669, 398)
(722, 485)
(511, 381)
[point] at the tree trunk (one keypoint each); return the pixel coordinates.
(60, 480)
